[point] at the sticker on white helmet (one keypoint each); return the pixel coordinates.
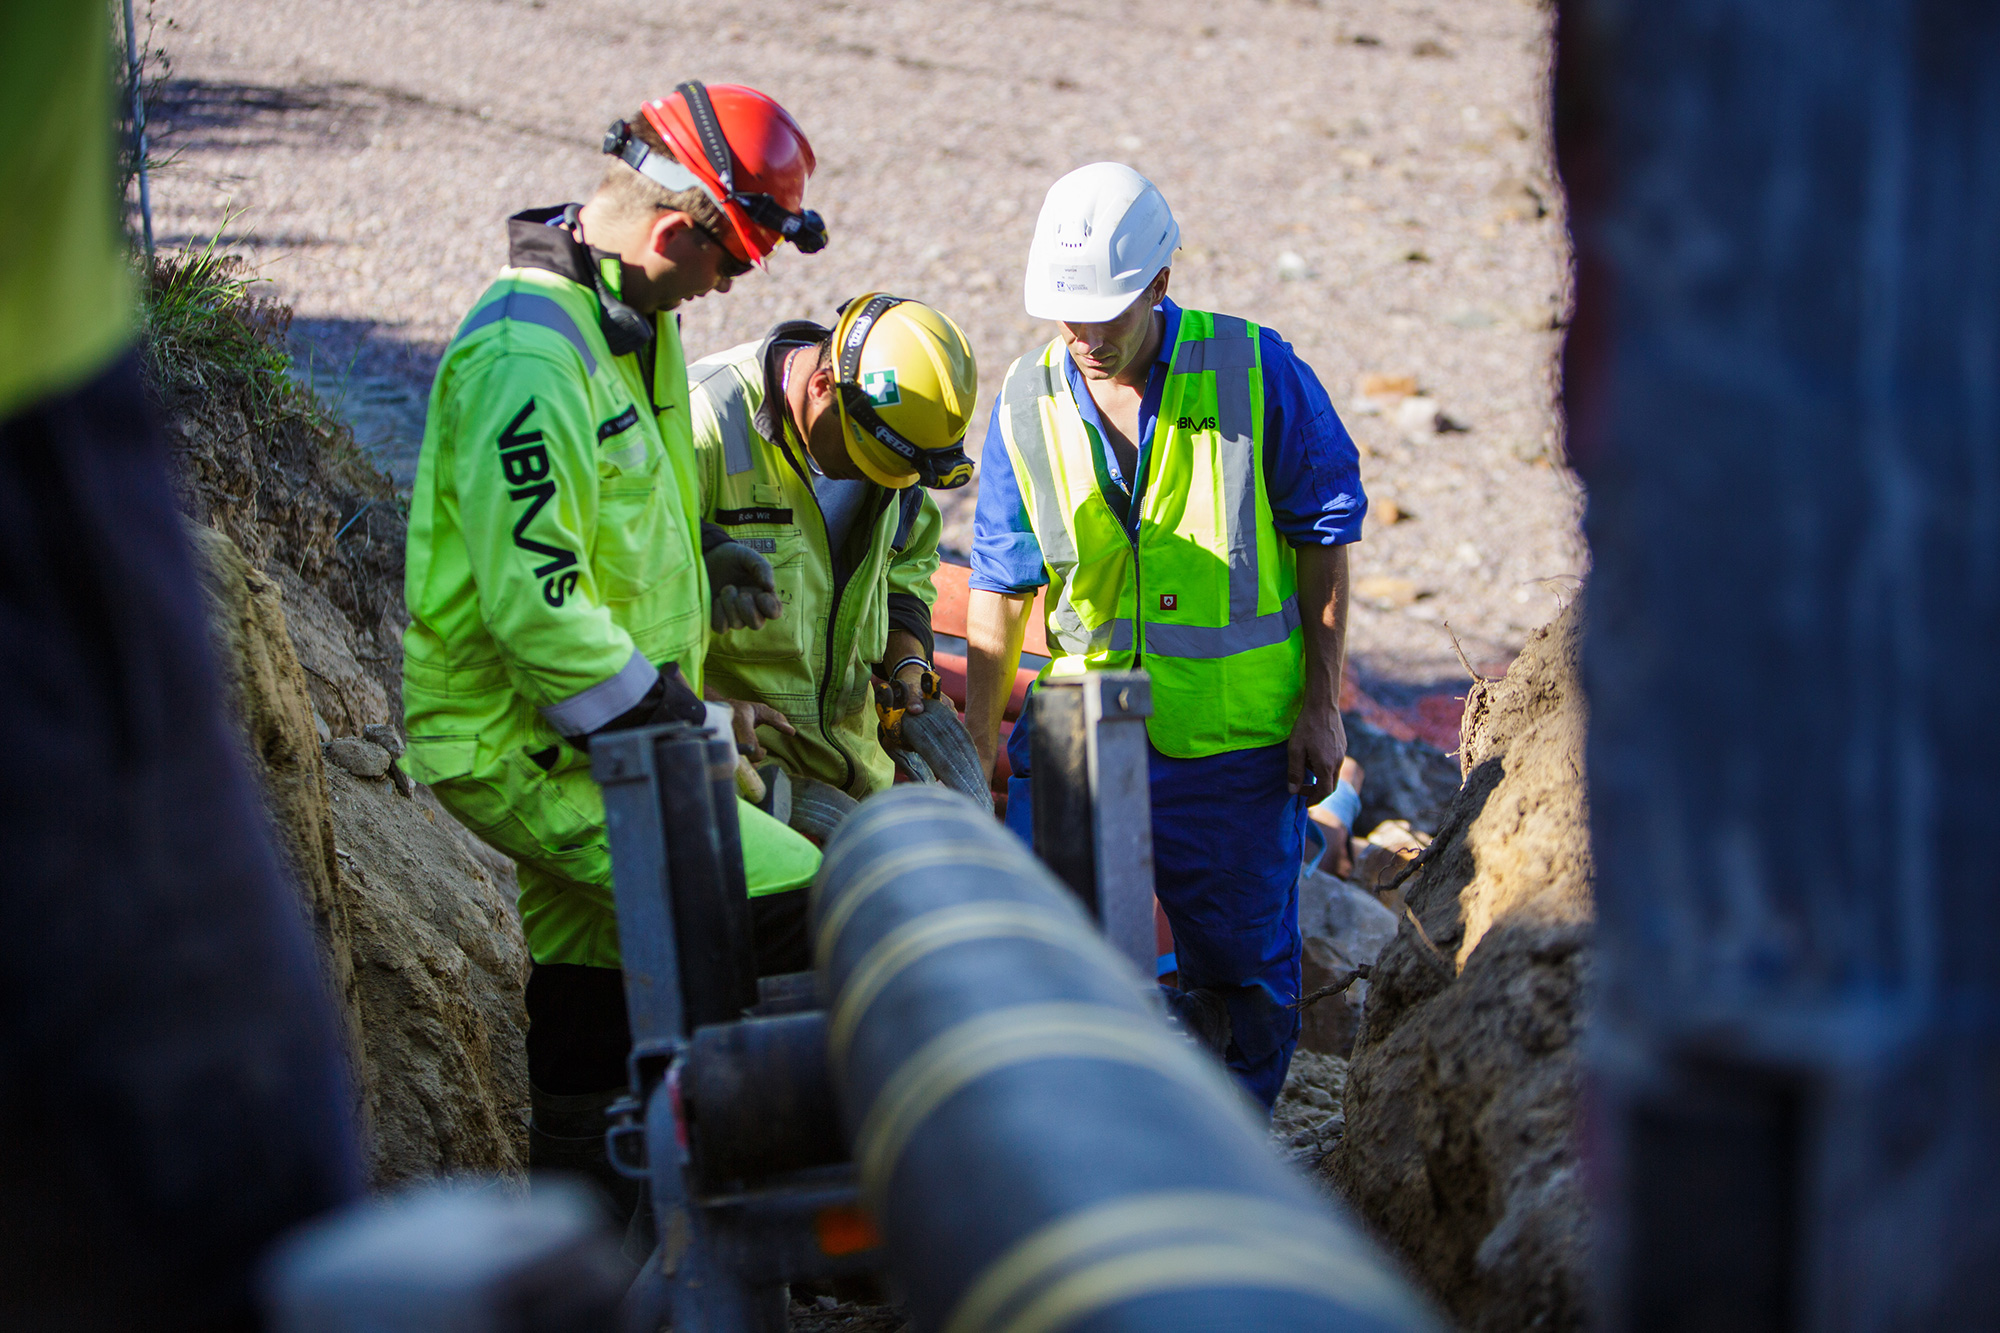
(1078, 278)
(880, 386)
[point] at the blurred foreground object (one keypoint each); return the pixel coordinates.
(1783, 390)
(172, 1087)
(453, 1257)
(1038, 1148)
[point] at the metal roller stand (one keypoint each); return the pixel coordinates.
(731, 1116)
(1039, 1149)
(1093, 810)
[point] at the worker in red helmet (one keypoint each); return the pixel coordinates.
(757, 179)
(560, 580)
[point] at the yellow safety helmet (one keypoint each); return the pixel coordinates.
(906, 380)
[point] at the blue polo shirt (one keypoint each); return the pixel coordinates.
(1312, 471)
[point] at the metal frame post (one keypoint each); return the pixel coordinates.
(1093, 811)
(625, 767)
(718, 975)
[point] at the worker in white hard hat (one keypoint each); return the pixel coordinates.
(1180, 483)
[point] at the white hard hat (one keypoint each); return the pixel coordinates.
(1104, 233)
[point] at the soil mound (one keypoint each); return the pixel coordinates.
(259, 459)
(301, 543)
(1460, 1144)
(439, 968)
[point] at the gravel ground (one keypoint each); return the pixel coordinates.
(1370, 179)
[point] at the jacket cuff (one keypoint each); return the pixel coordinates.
(713, 535)
(587, 711)
(907, 612)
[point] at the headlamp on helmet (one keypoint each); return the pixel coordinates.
(778, 156)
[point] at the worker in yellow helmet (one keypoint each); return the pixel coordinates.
(816, 447)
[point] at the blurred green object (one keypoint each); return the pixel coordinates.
(65, 286)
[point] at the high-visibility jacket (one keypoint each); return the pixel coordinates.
(1201, 589)
(554, 548)
(66, 286)
(554, 565)
(814, 663)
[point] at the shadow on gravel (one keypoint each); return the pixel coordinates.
(196, 115)
(379, 384)
(203, 114)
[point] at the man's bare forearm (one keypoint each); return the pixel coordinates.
(995, 625)
(901, 645)
(1319, 740)
(1323, 608)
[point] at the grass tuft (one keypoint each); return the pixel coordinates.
(206, 333)
(205, 330)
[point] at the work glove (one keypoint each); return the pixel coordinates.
(743, 594)
(669, 700)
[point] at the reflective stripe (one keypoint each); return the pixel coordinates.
(1115, 637)
(1031, 382)
(531, 308)
(587, 711)
(1067, 626)
(732, 413)
(1238, 450)
(1231, 353)
(1111, 637)
(1230, 347)
(1241, 636)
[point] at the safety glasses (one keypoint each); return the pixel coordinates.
(729, 266)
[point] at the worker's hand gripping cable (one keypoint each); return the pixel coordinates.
(921, 730)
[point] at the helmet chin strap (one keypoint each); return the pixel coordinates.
(625, 329)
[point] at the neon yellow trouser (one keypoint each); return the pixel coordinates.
(552, 824)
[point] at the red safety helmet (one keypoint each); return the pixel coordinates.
(744, 150)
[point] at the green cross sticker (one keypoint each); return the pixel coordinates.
(880, 386)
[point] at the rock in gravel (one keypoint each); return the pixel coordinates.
(1376, 393)
(363, 759)
(1418, 418)
(1386, 590)
(1307, 1121)
(1461, 1140)
(386, 736)
(1345, 929)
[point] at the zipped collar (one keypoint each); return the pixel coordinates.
(545, 239)
(540, 238)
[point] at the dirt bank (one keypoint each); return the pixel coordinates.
(1460, 1143)
(301, 545)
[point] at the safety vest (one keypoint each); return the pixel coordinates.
(814, 663)
(554, 558)
(1202, 591)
